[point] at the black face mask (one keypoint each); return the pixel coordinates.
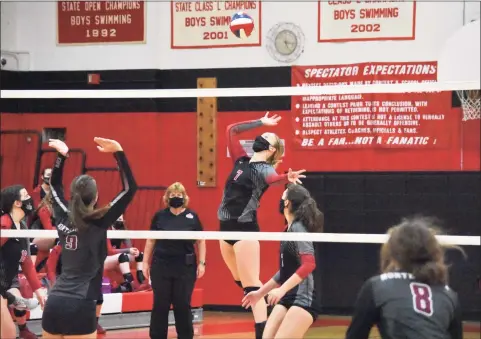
(176, 202)
(260, 144)
(281, 206)
(46, 180)
(27, 206)
(119, 225)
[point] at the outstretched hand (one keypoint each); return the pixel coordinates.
(294, 176)
(107, 145)
(270, 121)
(59, 146)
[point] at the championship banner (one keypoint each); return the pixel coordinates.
(342, 21)
(205, 24)
(388, 120)
(100, 22)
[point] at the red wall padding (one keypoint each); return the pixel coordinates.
(162, 149)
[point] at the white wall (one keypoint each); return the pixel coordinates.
(35, 27)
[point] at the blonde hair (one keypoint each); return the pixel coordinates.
(176, 187)
(275, 159)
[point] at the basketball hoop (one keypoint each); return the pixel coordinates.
(470, 101)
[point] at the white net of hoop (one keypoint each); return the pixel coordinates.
(470, 101)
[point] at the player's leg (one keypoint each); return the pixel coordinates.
(21, 305)
(247, 254)
(228, 254)
(295, 324)
(120, 261)
(274, 321)
(46, 335)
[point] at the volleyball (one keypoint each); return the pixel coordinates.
(242, 25)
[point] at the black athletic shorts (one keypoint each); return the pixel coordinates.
(289, 302)
(69, 316)
(235, 226)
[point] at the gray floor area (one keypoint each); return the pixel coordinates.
(123, 320)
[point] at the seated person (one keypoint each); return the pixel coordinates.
(42, 220)
(120, 255)
(20, 306)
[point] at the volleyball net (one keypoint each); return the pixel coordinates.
(323, 116)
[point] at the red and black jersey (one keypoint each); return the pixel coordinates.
(84, 253)
(402, 307)
(247, 182)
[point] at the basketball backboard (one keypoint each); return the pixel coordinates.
(459, 60)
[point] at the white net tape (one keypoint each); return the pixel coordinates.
(242, 92)
(470, 101)
(262, 236)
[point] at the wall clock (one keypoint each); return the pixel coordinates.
(285, 42)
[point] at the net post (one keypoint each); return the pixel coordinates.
(206, 136)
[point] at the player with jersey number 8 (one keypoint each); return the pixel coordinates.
(411, 299)
(82, 231)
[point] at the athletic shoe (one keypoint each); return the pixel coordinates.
(23, 304)
(26, 334)
(100, 329)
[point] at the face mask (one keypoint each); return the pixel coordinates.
(27, 206)
(281, 206)
(46, 180)
(119, 225)
(176, 202)
(260, 144)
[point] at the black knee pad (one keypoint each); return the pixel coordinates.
(248, 290)
(100, 301)
(140, 258)
(124, 257)
(19, 313)
(33, 249)
(238, 283)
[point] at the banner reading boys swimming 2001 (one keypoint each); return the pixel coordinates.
(390, 120)
(205, 24)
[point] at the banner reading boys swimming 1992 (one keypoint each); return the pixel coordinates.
(389, 120)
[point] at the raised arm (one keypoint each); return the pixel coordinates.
(60, 205)
(235, 149)
(122, 200)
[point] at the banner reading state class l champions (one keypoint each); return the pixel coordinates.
(205, 24)
(388, 120)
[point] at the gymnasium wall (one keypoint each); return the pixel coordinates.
(362, 189)
(161, 150)
(32, 28)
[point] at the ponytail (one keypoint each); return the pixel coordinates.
(310, 216)
(78, 212)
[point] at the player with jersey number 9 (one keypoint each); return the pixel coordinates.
(82, 230)
(413, 288)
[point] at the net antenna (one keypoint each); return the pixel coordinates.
(460, 61)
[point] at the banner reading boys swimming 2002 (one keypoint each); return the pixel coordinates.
(205, 24)
(389, 120)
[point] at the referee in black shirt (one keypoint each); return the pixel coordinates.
(174, 265)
